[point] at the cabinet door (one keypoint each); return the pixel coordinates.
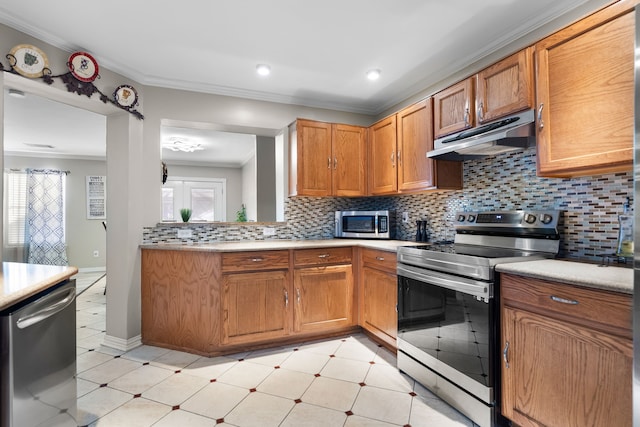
(560, 374)
(506, 87)
(255, 306)
(380, 296)
(313, 158)
(383, 177)
(323, 298)
(585, 93)
(452, 108)
(415, 138)
(349, 160)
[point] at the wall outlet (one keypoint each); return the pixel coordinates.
(185, 233)
(405, 217)
(268, 231)
(96, 254)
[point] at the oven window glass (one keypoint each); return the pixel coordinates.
(450, 326)
(359, 224)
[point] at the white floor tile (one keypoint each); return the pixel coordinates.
(332, 394)
(305, 415)
(141, 379)
(246, 374)
(215, 400)
(135, 413)
(435, 412)
(269, 357)
(175, 389)
(83, 387)
(186, 419)
(145, 353)
(91, 359)
(173, 359)
(304, 361)
(260, 410)
(286, 383)
(109, 371)
(99, 403)
(383, 405)
(357, 350)
(388, 377)
(357, 421)
(351, 370)
(210, 367)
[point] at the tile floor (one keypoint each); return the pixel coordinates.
(349, 381)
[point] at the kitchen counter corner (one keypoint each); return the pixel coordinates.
(609, 278)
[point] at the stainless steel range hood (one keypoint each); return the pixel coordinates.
(511, 133)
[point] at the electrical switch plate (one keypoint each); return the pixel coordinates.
(185, 233)
(405, 217)
(268, 231)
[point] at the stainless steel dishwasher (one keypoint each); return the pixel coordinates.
(38, 360)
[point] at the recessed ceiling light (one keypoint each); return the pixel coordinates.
(373, 74)
(263, 69)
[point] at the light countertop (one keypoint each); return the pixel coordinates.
(611, 278)
(21, 281)
(262, 245)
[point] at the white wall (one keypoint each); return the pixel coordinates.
(249, 183)
(83, 236)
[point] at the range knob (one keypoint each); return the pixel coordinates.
(471, 218)
(461, 218)
(529, 218)
(546, 219)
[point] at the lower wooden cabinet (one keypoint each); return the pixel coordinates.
(379, 298)
(255, 306)
(567, 355)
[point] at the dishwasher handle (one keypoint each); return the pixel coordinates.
(53, 303)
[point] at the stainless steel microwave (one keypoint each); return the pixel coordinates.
(365, 224)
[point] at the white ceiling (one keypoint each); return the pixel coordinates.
(319, 52)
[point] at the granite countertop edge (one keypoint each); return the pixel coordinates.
(609, 278)
(21, 281)
(257, 245)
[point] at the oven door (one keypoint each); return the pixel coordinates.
(446, 338)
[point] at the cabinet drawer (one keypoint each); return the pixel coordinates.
(312, 257)
(380, 260)
(607, 311)
(256, 260)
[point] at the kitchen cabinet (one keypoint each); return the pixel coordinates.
(324, 290)
(585, 95)
(452, 111)
(379, 294)
(505, 87)
(255, 296)
(327, 159)
(180, 300)
(398, 151)
(567, 354)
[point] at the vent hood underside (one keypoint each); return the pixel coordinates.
(512, 133)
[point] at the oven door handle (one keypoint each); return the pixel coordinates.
(448, 281)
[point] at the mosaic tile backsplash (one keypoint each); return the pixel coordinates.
(590, 207)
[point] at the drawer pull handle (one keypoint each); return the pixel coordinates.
(540, 121)
(505, 355)
(324, 256)
(380, 258)
(564, 300)
(286, 299)
(298, 295)
(257, 259)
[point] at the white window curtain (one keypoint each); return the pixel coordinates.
(45, 224)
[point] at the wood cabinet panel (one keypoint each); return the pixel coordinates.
(380, 260)
(254, 260)
(324, 256)
(585, 90)
(383, 177)
(380, 299)
(569, 364)
(505, 87)
(312, 154)
(179, 299)
(349, 145)
(415, 138)
(324, 298)
(255, 306)
(452, 108)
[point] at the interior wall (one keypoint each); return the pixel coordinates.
(249, 198)
(266, 178)
(83, 236)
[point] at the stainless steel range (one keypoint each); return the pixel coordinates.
(448, 305)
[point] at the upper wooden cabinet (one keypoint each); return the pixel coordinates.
(453, 108)
(398, 154)
(505, 87)
(326, 159)
(584, 95)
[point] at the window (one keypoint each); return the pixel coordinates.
(205, 198)
(15, 203)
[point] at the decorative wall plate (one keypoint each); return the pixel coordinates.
(83, 66)
(28, 60)
(126, 96)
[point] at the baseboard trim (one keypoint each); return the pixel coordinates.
(122, 344)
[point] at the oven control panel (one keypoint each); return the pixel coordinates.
(533, 219)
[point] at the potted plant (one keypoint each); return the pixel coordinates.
(185, 213)
(241, 215)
